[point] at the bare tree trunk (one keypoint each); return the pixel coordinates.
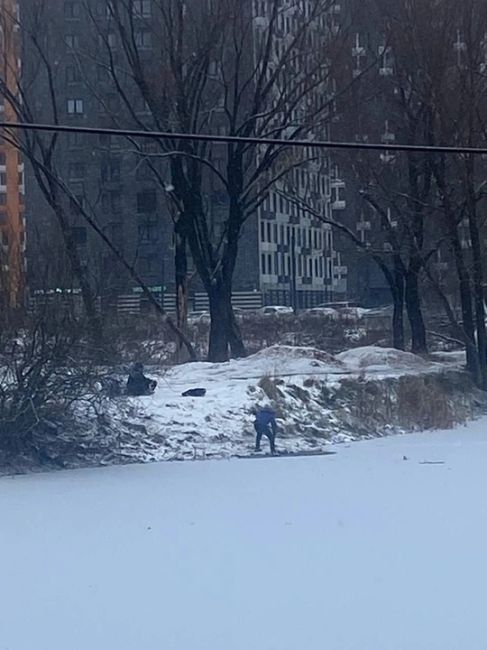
(181, 276)
(466, 300)
(414, 311)
(219, 295)
(397, 290)
(87, 294)
(225, 333)
(478, 274)
(462, 273)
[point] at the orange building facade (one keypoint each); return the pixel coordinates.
(12, 190)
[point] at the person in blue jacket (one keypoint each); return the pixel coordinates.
(265, 425)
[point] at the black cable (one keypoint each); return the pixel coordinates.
(200, 137)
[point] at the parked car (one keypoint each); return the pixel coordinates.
(272, 310)
(322, 312)
(343, 304)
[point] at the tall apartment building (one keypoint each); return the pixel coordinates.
(12, 231)
(299, 262)
(285, 255)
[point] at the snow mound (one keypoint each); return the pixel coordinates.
(373, 357)
(289, 352)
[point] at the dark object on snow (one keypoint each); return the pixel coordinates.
(195, 392)
(265, 425)
(138, 384)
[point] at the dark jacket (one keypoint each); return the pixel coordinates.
(265, 417)
(138, 384)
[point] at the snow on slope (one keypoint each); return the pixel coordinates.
(220, 424)
(358, 551)
(387, 361)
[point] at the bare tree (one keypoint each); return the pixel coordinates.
(433, 93)
(43, 152)
(39, 149)
(220, 68)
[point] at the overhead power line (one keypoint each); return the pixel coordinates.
(206, 137)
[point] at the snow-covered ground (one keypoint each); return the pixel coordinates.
(220, 424)
(380, 547)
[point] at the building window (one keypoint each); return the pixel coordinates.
(262, 231)
(263, 260)
(109, 39)
(76, 205)
(148, 232)
(110, 170)
(149, 264)
(76, 170)
(3, 159)
(79, 235)
(143, 171)
(74, 140)
(115, 202)
(143, 39)
(75, 107)
(72, 10)
(102, 72)
(146, 201)
(141, 106)
(269, 264)
(3, 198)
(103, 9)
(114, 230)
(112, 103)
(3, 179)
(105, 140)
(72, 74)
(141, 8)
(72, 41)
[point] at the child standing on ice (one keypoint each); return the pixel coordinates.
(265, 425)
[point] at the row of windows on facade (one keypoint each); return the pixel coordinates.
(3, 178)
(6, 240)
(110, 171)
(285, 18)
(146, 202)
(304, 181)
(306, 237)
(74, 10)
(281, 265)
(147, 233)
(3, 198)
(3, 157)
(142, 40)
(386, 57)
(109, 104)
